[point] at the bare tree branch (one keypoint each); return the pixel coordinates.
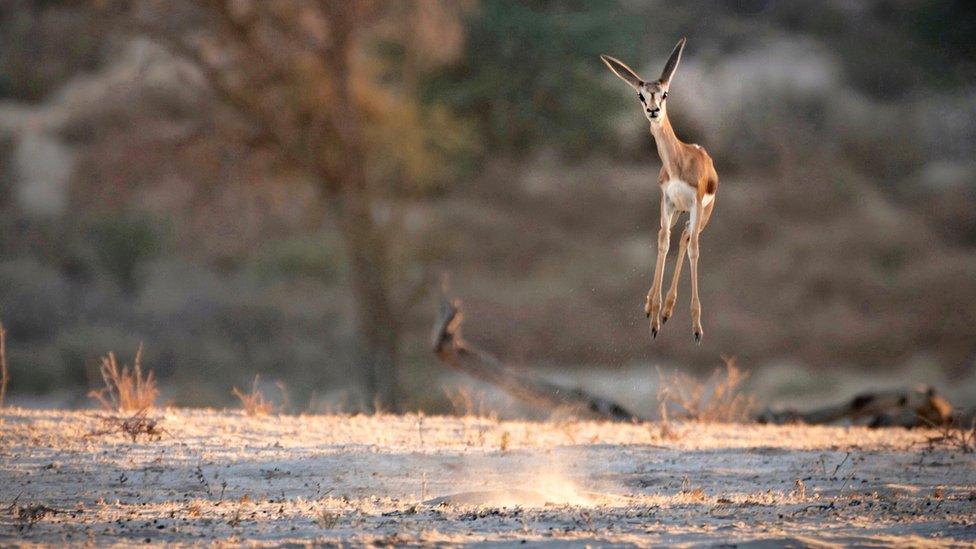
(451, 348)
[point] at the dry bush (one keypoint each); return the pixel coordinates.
(717, 399)
(254, 402)
(4, 375)
(467, 403)
(327, 519)
(125, 389)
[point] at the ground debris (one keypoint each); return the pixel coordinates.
(132, 426)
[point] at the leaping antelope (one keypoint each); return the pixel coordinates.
(688, 183)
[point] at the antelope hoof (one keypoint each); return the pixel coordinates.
(664, 319)
(654, 333)
(698, 336)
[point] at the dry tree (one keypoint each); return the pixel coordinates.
(125, 389)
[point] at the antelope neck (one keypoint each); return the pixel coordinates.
(667, 143)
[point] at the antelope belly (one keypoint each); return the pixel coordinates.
(681, 195)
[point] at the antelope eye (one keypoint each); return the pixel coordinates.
(665, 96)
(640, 96)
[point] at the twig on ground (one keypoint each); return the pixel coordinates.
(133, 426)
(29, 515)
(839, 465)
(955, 436)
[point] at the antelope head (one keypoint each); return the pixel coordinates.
(652, 95)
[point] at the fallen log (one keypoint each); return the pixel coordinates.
(918, 407)
(451, 349)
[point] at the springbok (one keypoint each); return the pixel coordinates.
(688, 183)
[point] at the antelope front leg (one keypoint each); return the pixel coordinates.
(652, 306)
(672, 296)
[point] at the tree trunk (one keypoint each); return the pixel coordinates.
(377, 327)
(376, 321)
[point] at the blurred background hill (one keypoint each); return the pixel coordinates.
(275, 188)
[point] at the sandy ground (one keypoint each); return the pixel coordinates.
(220, 476)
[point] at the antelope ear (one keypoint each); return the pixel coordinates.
(672, 63)
(623, 71)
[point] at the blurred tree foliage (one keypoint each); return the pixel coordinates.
(530, 73)
(122, 244)
(41, 41)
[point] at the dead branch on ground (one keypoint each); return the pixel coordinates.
(132, 426)
(451, 349)
(28, 515)
(918, 407)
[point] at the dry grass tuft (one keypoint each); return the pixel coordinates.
(956, 436)
(327, 519)
(4, 375)
(255, 403)
(718, 399)
(125, 389)
(466, 403)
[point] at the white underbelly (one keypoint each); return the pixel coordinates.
(682, 195)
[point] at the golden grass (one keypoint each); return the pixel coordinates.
(718, 399)
(467, 403)
(125, 389)
(254, 403)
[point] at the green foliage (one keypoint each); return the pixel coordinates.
(316, 257)
(122, 244)
(530, 73)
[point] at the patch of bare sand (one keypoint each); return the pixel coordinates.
(222, 476)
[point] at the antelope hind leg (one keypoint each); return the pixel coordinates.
(672, 296)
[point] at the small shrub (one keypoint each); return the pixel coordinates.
(505, 441)
(125, 389)
(327, 519)
(254, 403)
(467, 403)
(718, 399)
